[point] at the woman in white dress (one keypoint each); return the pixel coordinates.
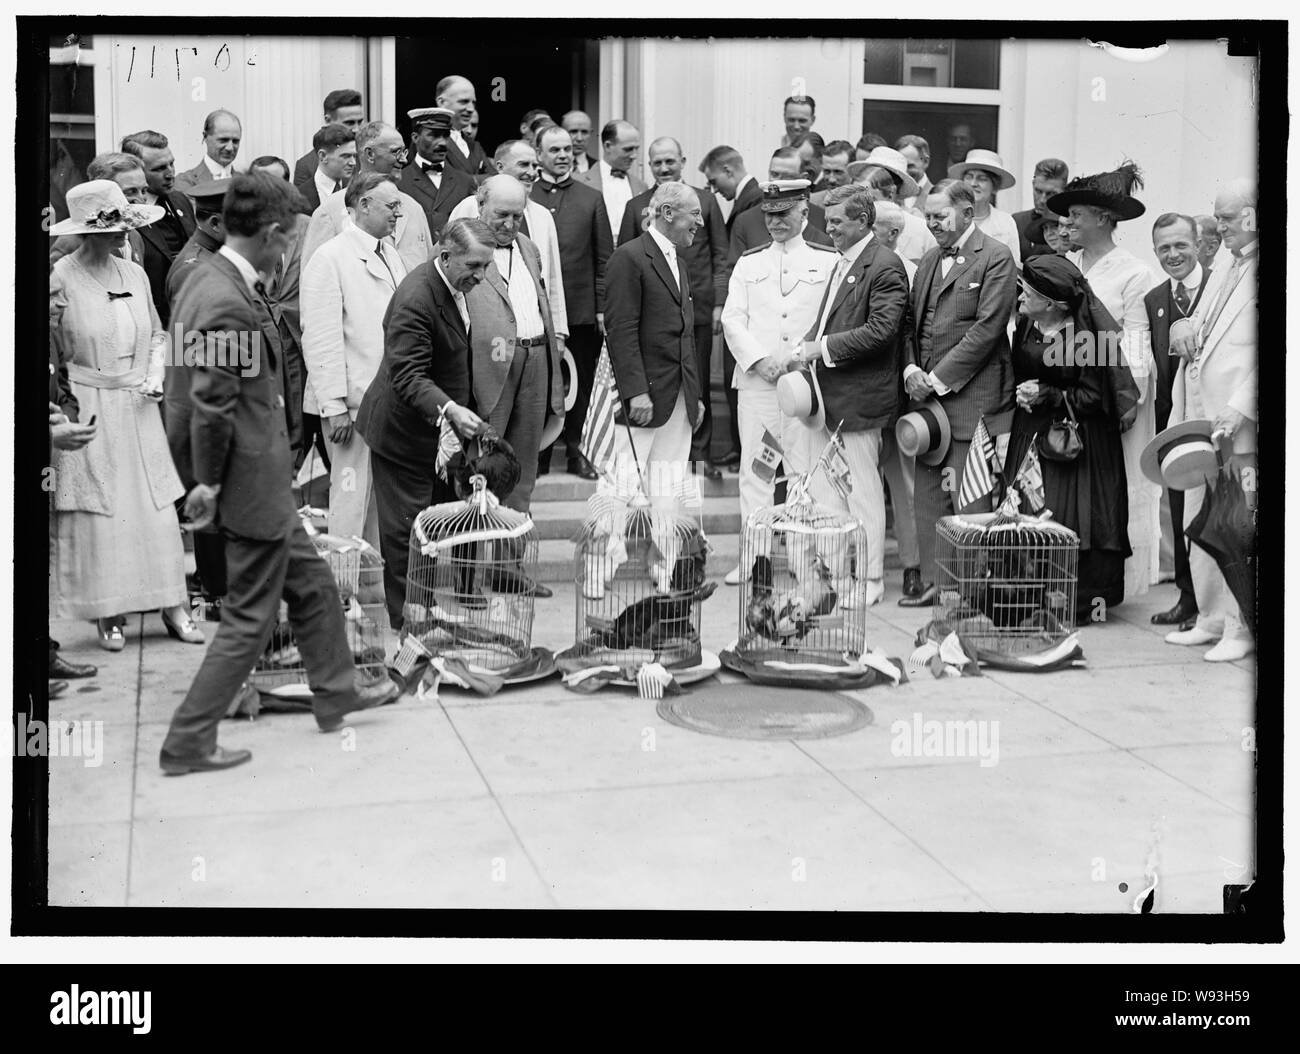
(115, 535)
(1091, 207)
(985, 174)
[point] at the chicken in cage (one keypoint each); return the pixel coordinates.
(358, 573)
(640, 584)
(800, 600)
(1007, 583)
(470, 585)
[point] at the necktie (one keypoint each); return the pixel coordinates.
(1181, 298)
(338, 185)
(431, 166)
(379, 251)
(618, 173)
(118, 296)
(950, 251)
(837, 276)
(259, 287)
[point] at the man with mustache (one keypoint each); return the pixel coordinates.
(431, 179)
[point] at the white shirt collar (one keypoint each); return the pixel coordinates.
(961, 242)
(1192, 282)
(456, 294)
(665, 246)
(216, 171)
(1249, 250)
(791, 244)
(855, 250)
(246, 270)
(607, 172)
(324, 185)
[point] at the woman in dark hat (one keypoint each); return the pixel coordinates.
(1092, 207)
(1059, 353)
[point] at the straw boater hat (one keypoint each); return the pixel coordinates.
(799, 395)
(923, 433)
(1107, 190)
(1181, 457)
(99, 207)
(891, 161)
(987, 161)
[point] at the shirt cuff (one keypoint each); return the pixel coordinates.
(939, 387)
(826, 353)
(332, 408)
(910, 369)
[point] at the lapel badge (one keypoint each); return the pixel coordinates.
(279, 401)
(851, 279)
(961, 259)
(1160, 312)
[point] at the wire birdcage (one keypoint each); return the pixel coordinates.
(1007, 583)
(358, 573)
(469, 590)
(639, 577)
(801, 600)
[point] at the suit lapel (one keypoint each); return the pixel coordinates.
(854, 275)
(446, 304)
(1241, 297)
(661, 266)
(964, 260)
(261, 310)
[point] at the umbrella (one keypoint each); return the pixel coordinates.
(1225, 528)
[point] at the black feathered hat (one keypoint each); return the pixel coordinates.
(1107, 190)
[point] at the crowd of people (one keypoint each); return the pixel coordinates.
(394, 293)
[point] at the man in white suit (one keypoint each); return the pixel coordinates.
(380, 148)
(346, 288)
(1220, 381)
(615, 174)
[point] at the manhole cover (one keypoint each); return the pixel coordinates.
(746, 711)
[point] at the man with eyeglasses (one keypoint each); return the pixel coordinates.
(380, 149)
(346, 288)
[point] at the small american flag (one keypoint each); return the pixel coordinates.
(1029, 481)
(769, 456)
(977, 477)
(836, 466)
(598, 429)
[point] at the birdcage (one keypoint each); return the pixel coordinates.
(469, 590)
(1007, 583)
(801, 599)
(639, 583)
(358, 573)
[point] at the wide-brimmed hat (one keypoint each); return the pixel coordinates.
(99, 207)
(923, 433)
(799, 395)
(1181, 457)
(1106, 190)
(891, 161)
(986, 160)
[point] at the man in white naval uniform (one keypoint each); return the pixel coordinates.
(772, 301)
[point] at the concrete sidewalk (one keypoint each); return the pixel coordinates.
(541, 797)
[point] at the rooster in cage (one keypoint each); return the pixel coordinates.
(793, 614)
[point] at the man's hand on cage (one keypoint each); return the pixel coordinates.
(466, 422)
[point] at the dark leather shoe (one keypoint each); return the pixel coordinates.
(367, 697)
(730, 458)
(911, 581)
(1183, 627)
(928, 597)
(1179, 613)
(582, 468)
(61, 668)
(220, 758)
(57, 688)
(707, 469)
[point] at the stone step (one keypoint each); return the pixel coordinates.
(563, 519)
(555, 557)
(558, 485)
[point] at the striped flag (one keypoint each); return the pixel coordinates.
(1029, 481)
(836, 466)
(769, 456)
(977, 476)
(598, 429)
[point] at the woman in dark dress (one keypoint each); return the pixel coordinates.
(1067, 345)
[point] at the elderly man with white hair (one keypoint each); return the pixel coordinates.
(1220, 381)
(519, 159)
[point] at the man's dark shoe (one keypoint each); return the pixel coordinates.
(61, 668)
(582, 468)
(729, 459)
(1178, 614)
(57, 688)
(707, 469)
(928, 597)
(544, 465)
(368, 696)
(911, 581)
(220, 758)
(1183, 627)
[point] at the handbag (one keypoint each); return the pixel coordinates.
(1061, 441)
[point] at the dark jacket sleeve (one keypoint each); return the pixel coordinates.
(623, 323)
(409, 345)
(630, 227)
(987, 333)
(602, 245)
(718, 247)
(214, 391)
(886, 304)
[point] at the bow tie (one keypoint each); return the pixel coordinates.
(952, 251)
(118, 296)
(618, 173)
(430, 166)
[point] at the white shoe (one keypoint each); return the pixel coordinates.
(1188, 637)
(733, 576)
(875, 591)
(1229, 649)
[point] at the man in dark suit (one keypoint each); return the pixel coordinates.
(956, 349)
(1050, 177)
(240, 460)
(582, 229)
(222, 134)
(614, 176)
(164, 239)
(341, 106)
(650, 330)
(336, 161)
(854, 346)
(456, 95)
(706, 265)
(1176, 242)
(430, 179)
(424, 377)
